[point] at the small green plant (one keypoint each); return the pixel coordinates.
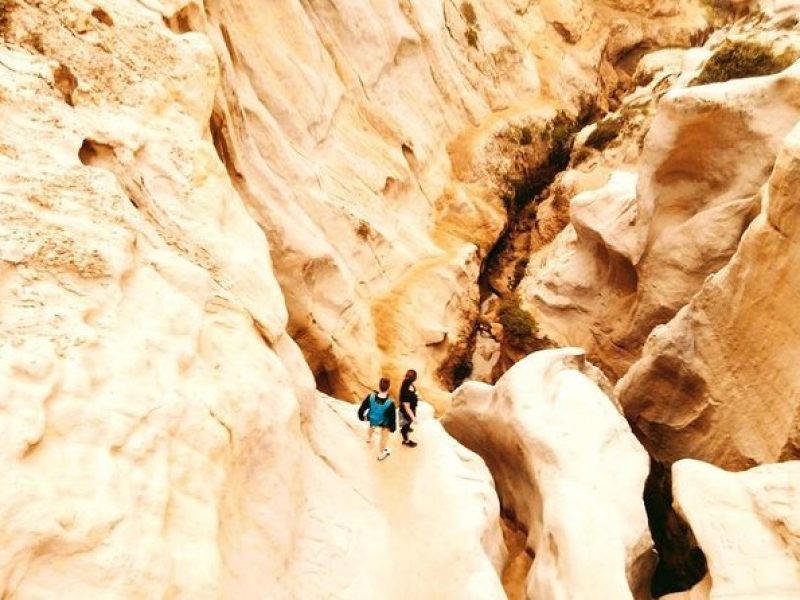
(468, 12)
(560, 133)
(6, 6)
(606, 132)
(519, 326)
(519, 272)
(471, 34)
(717, 11)
(363, 230)
(740, 59)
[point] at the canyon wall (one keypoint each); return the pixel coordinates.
(215, 215)
(162, 436)
(669, 243)
(373, 145)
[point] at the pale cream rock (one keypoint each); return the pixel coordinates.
(719, 382)
(748, 526)
(161, 433)
(346, 127)
(570, 271)
(440, 534)
(567, 469)
(707, 153)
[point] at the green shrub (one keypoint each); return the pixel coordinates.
(472, 37)
(519, 326)
(468, 12)
(606, 132)
(519, 273)
(363, 230)
(740, 59)
(6, 6)
(558, 134)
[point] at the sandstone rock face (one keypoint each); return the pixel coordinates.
(682, 218)
(641, 246)
(748, 526)
(372, 143)
(568, 470)
(161, 432)
(718, 382)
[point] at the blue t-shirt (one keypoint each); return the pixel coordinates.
(378, 410)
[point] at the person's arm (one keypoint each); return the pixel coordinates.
(392, 417)
(409, 414)
(363, 409)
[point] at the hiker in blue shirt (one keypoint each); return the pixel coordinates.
(379, 409)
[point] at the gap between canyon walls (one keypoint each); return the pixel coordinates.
(341, 273)
(521, 159)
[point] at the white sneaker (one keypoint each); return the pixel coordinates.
(384, 454)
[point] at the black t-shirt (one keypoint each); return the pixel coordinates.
(408, 398)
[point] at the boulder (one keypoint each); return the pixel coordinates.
(641, 245)
(568, 471)
(748, 526)
(718, 382)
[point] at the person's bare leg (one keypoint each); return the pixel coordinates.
(384, 439)
(370, 429)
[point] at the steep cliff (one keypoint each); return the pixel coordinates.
(375, 149)
(161, 432)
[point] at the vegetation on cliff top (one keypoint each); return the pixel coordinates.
(740, 59)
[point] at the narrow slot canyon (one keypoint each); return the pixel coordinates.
(224, 223)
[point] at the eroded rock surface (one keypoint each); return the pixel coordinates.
(374, 146)
(748, 525)
(670, 210)
(568, 470)
(718, 382)
(161, 432)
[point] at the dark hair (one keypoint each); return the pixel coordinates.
(384, 384)
(411, 375)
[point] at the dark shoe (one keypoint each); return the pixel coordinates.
(410, 443)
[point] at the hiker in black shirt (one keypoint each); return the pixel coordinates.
(408, 407)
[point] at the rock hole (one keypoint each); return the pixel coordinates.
(102, 16)
(95, 154)
(681, 562)
(185, 20)
(408, 153)
(389, 186)
(323, 380)
(220, 137)
(65, 83)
